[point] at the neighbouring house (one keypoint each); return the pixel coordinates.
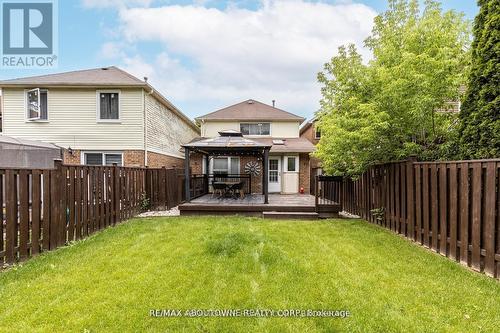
(311, 132)
(252, 125)
(99, 116)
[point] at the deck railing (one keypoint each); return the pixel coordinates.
(328, 190)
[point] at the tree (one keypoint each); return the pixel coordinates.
(479, 119)
(386, 110)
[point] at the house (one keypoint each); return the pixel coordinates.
(311, 132)
(254, 125)
(99, 116)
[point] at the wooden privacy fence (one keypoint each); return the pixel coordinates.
(450, 207)
(44, 209)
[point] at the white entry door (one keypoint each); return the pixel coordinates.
(274, 174)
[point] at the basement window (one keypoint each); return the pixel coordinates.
(101, 158)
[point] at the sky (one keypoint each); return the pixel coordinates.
(207, 54)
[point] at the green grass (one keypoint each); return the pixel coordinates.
(109, 282)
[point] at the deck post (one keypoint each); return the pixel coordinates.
(187, 175)
(265, 176)
(207, 173)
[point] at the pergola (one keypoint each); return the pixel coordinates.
(229, 143)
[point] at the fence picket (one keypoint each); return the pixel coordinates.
(443, 209)
(476, 216)
(464, 213)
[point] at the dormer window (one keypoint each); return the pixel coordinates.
(108, 105)
(255, 128)
(36, 104)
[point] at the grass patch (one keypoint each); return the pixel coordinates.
(110, 281)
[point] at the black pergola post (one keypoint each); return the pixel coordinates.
(187, 175)
(207, 164)
(207, 173)
(265, 175)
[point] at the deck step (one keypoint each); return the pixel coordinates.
(291, 215)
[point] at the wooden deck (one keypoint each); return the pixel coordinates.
(254, 205)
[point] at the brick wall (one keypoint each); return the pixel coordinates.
(256, 180)
(74, 158)
(156, 160)
(196, 163)
(133, 158)
(304, 172)
(310, 134)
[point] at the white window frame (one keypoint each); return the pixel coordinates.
(228, 164)
(256, 123)
(316, 133)
(36, 119)
(103, 153)
(98, 106)
(296, 163)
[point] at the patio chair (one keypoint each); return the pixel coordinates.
(238, 190)
(218, 188)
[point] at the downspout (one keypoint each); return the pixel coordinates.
(146, 126)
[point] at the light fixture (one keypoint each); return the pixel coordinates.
(70, 151)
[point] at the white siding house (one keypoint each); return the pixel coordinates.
(101, 115)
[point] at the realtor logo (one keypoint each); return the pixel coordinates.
(29, 33)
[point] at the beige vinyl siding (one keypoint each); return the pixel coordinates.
(72, 120)
(210, 129)
(166, 131)
(279, 129)
(285, 129)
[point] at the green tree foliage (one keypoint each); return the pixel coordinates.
(480, 116)
(385, 109)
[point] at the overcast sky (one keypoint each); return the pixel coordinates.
(204, 55)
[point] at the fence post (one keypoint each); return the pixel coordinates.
(410, 197)
(116, 194)
(317, 192)
(55, 203)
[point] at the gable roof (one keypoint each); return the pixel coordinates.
(105, 76)
(97, 77)
(251, 110)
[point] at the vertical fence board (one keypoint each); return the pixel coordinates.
(78, 202)
(11, 218)
(71, 203)
(418, 204)
(443, 209)
(464, 213)
(489, 219)
(476, 215)
(24, 214)
(434, 208)
(426, 197)
(36, 201)
(453, 213)
(46, 202)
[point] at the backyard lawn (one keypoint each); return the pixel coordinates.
(111, 281)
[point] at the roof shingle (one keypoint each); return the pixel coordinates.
(251, 110)
(106, 76)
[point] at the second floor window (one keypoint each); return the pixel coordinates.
(109, 105)
(36, 104)
(255, 128)
(317, 134)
